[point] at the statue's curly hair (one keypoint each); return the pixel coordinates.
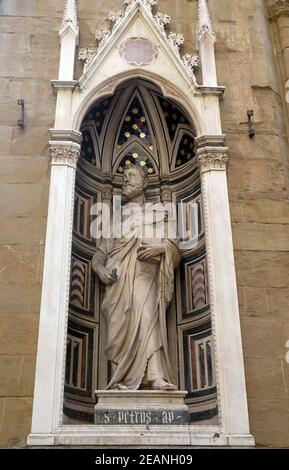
(141, 169)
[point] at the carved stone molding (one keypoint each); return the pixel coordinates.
(176, 40)
(162, 20)
(115, 16)
(277, 8)
(65, 155)
(87, 56)
(212, 161)
(191, 62)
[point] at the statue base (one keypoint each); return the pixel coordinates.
(141, 408)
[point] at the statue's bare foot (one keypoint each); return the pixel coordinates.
(119, 387)
(160, 384)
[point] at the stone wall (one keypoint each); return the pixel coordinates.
(29, 54)
(258, 188)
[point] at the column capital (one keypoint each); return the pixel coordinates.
(212, 159)
(277, 8)
(64, 153)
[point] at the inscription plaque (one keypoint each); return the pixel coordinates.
(141, 417)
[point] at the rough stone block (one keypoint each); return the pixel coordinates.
(265, 380)
(30, 141)
(29, 169)
(24, 200)
(15, 421)
(261, 237)
(269, 422)
(263, 338)
(21, 264)
(5, 139)
(257, 303)
(18, 335)
(22, 231)
(262, 269)
(17, 375)
(19, 296)
(262, 211)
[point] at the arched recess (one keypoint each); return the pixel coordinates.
(137, 122)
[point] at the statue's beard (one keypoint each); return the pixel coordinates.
(130, 192)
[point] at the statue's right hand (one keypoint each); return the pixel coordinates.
(105, 275)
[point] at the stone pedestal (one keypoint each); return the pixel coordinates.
(140, 408)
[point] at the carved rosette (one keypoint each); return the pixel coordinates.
(213, 161)
(65, 155)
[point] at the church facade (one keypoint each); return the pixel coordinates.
(195, 93)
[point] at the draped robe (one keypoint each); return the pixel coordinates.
(135, 306)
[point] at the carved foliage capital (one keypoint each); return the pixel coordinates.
(277, 8)
(213, 161)
(65, 155)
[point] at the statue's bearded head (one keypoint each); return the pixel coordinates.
(134, 181)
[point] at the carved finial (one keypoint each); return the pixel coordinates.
(204, 21)
(70, 17)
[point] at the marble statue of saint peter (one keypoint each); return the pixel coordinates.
(139, 277)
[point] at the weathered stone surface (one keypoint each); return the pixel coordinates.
(263, 338)
(262, 269)
(18, 334)
(20, 296)
(21, 263)
(262, 211)
(22, 230)
(257, 302)
(264, 302)
(17, 375)
(279, 303)
(5, 139)
(15, 421)
(269, 421)
(265, 380)
(24, 200)
(261, 237)
(28, 169)
(39, 103)
(33, 141)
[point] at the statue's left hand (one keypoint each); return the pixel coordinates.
(148, 252)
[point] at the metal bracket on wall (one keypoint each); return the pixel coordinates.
(20, 121)
(250, 115)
